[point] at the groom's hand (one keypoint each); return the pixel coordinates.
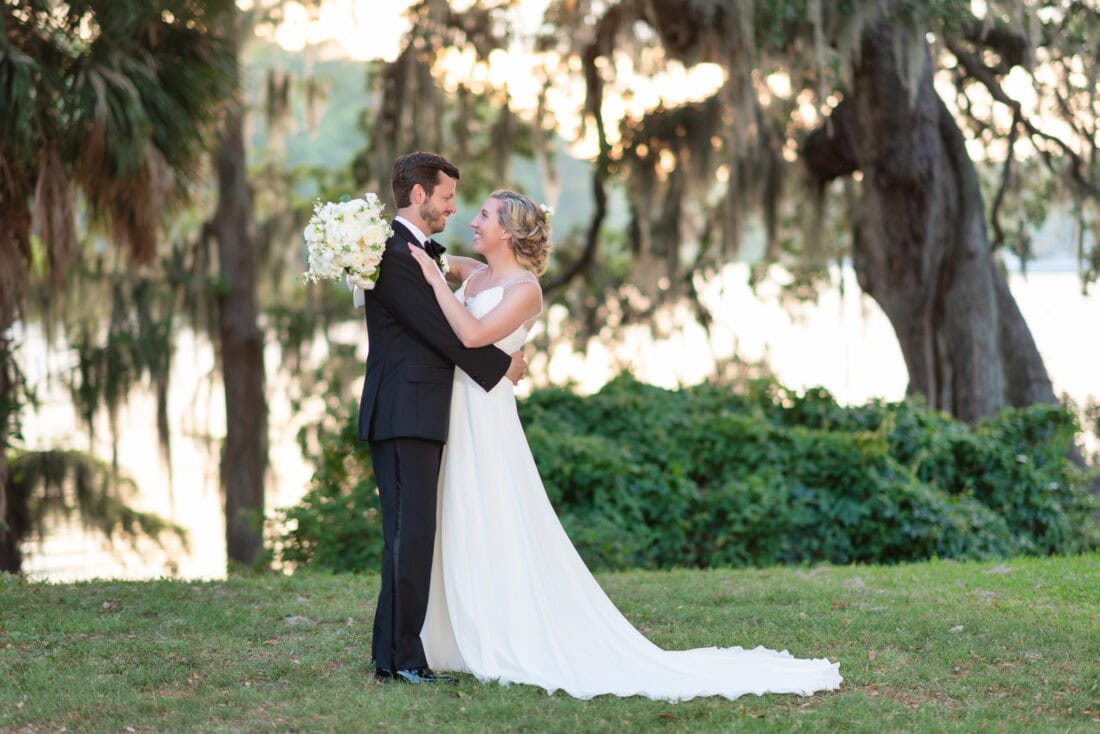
(517, 369)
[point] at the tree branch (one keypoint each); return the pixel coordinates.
(1005, 40)
(977, 70)
(606, 30)
(829, 151)
(1006, 177)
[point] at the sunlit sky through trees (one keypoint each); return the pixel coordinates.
(375, 30)
(367, 31)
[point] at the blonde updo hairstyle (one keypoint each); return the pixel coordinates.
(530, 229)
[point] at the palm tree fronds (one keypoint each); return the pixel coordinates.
(18, 138)
(119, 95)
(133, 207)
(15, 251)
(53, 207)
(19, 133)
(13, 276)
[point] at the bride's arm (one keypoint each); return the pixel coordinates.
(459, 268)
(520, 303)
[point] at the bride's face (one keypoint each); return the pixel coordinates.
(488, 234)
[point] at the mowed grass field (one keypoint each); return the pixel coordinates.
(1003, 646)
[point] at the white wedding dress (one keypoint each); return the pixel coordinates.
(512, 601)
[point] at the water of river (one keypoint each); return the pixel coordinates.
(842, 342)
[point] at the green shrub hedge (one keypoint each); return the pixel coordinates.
(716, 476)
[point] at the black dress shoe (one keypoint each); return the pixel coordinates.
(414, 675)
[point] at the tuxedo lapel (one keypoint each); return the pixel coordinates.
(401, 232)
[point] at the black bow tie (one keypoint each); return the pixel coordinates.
(434, 249)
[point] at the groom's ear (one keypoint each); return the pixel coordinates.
(417, 198)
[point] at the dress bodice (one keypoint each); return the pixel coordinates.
(485, 301)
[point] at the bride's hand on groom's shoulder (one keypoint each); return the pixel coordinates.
(431, 271)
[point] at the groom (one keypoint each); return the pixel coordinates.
(405, 408)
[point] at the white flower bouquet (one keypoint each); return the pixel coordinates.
(345, 240)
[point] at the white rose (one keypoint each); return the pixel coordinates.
(344, 233)
(376, 232)
(315, 232)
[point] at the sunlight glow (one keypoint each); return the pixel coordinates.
(780, 84)
(362, 34)
(522, 71)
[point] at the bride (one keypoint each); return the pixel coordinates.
(510, 598)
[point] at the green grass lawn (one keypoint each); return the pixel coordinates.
(1013, 645)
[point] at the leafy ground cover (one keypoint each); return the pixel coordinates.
(751, 474)
(1005, 645)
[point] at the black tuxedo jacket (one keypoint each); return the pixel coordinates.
(413, 353)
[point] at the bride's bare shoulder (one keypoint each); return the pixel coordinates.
(460, 267)
(527, 291)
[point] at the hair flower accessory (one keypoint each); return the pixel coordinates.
(547, 211)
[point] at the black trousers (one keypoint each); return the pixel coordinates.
(407, 470)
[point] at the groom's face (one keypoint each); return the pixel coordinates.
(440, 205)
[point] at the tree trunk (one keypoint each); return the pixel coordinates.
(920, 247)
(244, 456)
(11, 560)
(15, 254)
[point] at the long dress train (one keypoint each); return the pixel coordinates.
(512, 601)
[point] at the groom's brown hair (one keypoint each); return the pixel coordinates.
(418, 168)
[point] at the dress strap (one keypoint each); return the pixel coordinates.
(525, 278)
(477, 269)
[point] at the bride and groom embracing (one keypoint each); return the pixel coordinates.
(478, 575)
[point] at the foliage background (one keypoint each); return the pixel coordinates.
(716, 476)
